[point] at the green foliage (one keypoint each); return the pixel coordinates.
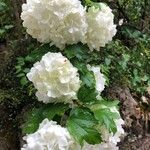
(79, 52)
(3, 7)
(87, 95)
(9, 96)
(4, 30)
(36, 115)
(80, 56)
(87, 92)
(125, 61)
(5, 20)
(133, 8)
(129, 64)
(105, 116)
(81, 125)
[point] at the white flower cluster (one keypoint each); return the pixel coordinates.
(67, 22)
(49, 136)
(55, 79)
(101, 27)
(99, 77)
(57, 21)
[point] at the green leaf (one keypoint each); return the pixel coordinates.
(78, 51)
(102, 112)
(23, 81)
(108, 103)
(32, 121)
(26, 70)
(87, 95)
(2, 32)
(37, 54)
(20, 75)
(107, 61)
(106, 117)
(3, 6)
(87, 92)
(50, 110)
(81, 126)
(36, 115)
(86, 76)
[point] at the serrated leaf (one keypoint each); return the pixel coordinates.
(36, 115)
(87, 92)
(86, 76)
(81, 126)
(106, 117)
(102, 112)
(78, 51)
(37, 54)
(108, 103)
(87, 95)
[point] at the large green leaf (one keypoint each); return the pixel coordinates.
(87, 92)
(106, 117)
(78, 51)
(81, 126)
(36, 115)
(80, 56)
(104, 114)
(87, 95)
(86, 75)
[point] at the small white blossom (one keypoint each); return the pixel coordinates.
(120, 22)
(99, 77)
(55, 79)
(57, 21)
(50, 136)
(101, 27)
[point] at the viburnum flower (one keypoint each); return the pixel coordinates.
(101, 27)
(101, 146)
(55, 79)
(50, 136)
(57, 21)
(99, 77)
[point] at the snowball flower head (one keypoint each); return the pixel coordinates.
(101, 27)
(101, 146)
(57, 21)
(55, 79)
(99, 77)
(49, 136)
